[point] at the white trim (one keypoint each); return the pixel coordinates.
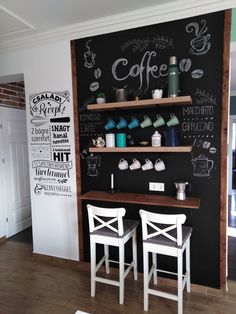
(26, 24)
(170, 11)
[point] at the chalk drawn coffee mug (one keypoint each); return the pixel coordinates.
(148, 165)
(159, 165)
(123, 164)
(135, 165)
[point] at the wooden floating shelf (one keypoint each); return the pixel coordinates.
(144, 199)
(139, 104)
(144, 149)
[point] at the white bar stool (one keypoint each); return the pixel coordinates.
(164, 234)
(107, 226)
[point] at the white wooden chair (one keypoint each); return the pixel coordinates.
(164, 234)
(107, 226)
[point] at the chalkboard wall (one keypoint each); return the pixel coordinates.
(137, 60)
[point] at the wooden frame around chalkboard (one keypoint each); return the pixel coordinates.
(223, 164)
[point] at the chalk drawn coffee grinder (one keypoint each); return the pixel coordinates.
(180, 189)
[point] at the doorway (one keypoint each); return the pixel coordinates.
(15, 213)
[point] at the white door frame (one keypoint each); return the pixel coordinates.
(232, 119)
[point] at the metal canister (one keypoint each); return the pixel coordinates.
(173, 77)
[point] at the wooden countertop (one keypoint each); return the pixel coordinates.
(144, 199)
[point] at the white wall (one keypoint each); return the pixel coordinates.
(54, 219)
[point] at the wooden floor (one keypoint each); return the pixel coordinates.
(30, 286)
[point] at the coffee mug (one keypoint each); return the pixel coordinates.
(122, 123)
(157, 93)
(121, 140)
(159, 121)
(110, 124)
(146, 122)
(134, 123)
(123, 164)
(173, 120)
(135, 165)
(159, 165)
(110, 140)
(148, 165)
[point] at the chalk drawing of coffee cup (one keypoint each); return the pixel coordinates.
(89, 56)
(200, 44)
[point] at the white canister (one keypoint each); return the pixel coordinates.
(110, 140)
(156, 139)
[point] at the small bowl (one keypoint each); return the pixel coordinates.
(143, 143)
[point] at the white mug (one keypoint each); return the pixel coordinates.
(159, 165)
(148, 165)
(135, 165)
(123, 164)
(157, 93)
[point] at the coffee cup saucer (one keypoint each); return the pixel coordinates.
(143, 143)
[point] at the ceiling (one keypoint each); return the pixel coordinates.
(27, 18)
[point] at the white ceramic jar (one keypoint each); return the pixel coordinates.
(156, 139)
(110, 140)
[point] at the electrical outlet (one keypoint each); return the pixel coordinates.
(156, 186)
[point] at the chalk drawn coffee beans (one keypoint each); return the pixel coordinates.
(97, 73)
(197, 73)
(206, 144)
(94, 86)
(185, 65)
(212, 150)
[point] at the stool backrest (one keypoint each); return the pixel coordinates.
(99, 218)
(155, 225)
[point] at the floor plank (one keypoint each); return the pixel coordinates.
(36, 287)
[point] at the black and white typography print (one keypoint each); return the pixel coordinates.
(50, 143)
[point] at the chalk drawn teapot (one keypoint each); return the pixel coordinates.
(99, 142)
(202, 166)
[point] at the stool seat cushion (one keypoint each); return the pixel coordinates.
(163, 240)
(128, 225)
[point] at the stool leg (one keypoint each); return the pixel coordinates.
(188, 266)
(134, 247)
(106, 252)
(121, 272)
(145, 278)
(180, 282)
(93, 267)
(154, 265)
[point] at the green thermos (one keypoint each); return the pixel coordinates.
(173, 77)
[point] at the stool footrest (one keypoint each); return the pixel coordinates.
(163, 294)
(117, 262)
(166, 272)
(108, 281)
